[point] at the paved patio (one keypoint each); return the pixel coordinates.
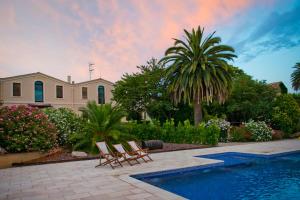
(80, 180)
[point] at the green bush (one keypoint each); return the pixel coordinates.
(143, 131)
(224, 128)
(259, 131)
(209, 134)
(84, 140)
(25, 129)
(168, 132)
(281, 121)
(239, 134)
(103, 123)
(286, 114)
(66, 122)
(187, 133)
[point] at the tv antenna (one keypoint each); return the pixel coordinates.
(91, 69)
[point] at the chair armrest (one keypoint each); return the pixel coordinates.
(145, 150)
(121, 154)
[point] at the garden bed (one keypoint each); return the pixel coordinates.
(66, 156)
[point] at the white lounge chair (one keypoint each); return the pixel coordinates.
(142, 153)
(108, 155)
(125, 155)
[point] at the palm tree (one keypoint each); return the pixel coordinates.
(104, 120)
(103, 123)
(295, 77)
(198, 70)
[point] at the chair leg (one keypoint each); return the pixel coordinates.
(99, 163)
(119, 163)
(149, 158)
(137, 160)
(129, 162)
(144, 159)
(111, 165)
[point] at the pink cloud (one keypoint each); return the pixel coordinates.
(115, 35)
(7, 16)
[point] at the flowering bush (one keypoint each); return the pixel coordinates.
(66, 123)
(224, 127)
(24, 128)
(259, 130)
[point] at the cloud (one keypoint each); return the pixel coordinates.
(61, 37)
(277, 31)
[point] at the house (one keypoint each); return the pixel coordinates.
(279, 87)
(41, 90)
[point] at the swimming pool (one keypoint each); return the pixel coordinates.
(240, 176)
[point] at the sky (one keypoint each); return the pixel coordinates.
(60, 37)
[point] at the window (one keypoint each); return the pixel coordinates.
(101, 95)
(84, 92)
(59, 91)
(38, 91)
(16, 89)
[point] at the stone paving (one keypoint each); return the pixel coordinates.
(80, 180)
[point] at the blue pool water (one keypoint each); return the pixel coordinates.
(240, 176)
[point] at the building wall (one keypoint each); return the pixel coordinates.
(92, 93)
(72, 94)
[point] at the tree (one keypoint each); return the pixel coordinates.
(295, 77)
(146, 91)
(286, 114)
(198, 70)
(249, 99)
(137, 92)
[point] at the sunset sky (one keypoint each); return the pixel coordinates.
(61, 37)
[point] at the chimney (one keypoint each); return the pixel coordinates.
(69, 79)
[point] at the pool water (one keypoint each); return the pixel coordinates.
(241, 176)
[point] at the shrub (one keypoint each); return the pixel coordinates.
(143, 131)
(280, 120)
(168, 132)
(259, 130)
(286, 114)
(84, 140)
(277, 134)
(224, 128)
(239, 134)
(26, 129)
(209, 133)
(66, 122)
(103, 123)
(187, 133)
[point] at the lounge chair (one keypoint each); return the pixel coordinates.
(142, 153)
(108, 155)
(125, 155)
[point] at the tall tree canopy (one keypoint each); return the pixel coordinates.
(295, 77)
(134, 92)
(249, 99)
(197, 70)
(146, 91)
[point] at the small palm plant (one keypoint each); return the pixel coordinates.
(103, 123)
(295, 77)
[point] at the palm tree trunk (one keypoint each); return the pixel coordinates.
(197, 112)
